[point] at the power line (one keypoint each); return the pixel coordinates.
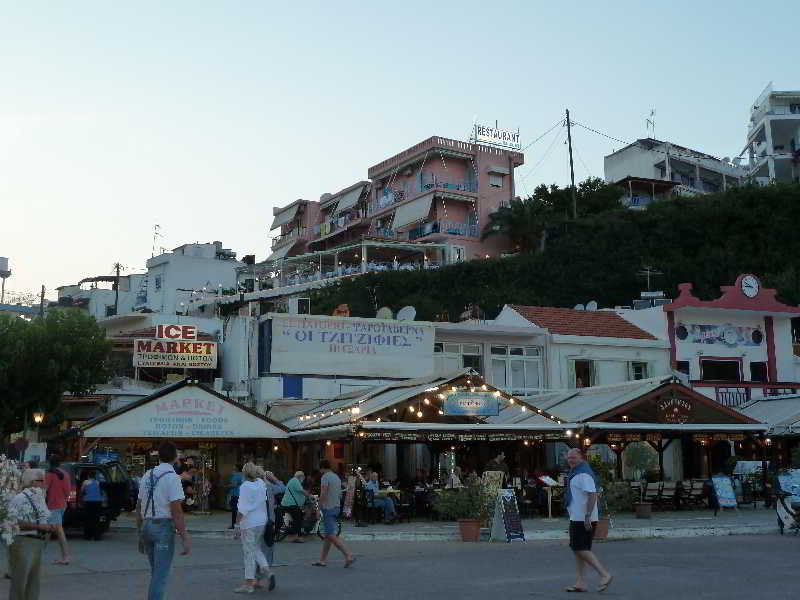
(557, 123)
(559, 136)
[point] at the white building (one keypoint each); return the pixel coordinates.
(773, 137)
(173, 279)
(642, 168)
(591, 348)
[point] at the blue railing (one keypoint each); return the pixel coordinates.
(462, 229)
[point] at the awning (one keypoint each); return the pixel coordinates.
(349, 200)
(413, 212)
(280, 253)
(285, 216)
(499, 170)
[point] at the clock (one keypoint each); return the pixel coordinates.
(750, 286)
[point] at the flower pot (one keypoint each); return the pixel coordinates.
(601, 529)
(644, 510)
(470, 530)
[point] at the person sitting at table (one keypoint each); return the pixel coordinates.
(386, 502)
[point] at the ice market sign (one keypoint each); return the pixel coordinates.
(175, 347)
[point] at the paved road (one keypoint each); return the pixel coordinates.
(698, 568)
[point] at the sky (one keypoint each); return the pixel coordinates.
(202, 116)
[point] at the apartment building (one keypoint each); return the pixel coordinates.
(422, 208)
(650, 170)
(773, 137)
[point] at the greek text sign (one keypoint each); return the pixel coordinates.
(178, 354)
(348, 346)
(674, 410)
(188, 412)
(475, 403)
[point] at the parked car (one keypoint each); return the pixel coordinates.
(119, 492)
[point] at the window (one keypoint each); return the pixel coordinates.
(720, 370)
(794, 109)
(637, 370)
(583, 373)
(458, 356)
(516, 369)
(683, 367)
(495, 180)
(158, 282)
(758, 372)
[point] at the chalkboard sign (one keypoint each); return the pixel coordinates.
(507, 524)
(723, 488)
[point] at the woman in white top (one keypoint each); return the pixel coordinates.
(250, 521)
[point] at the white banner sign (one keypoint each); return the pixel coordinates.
(349, 346)
(180, 355)
(496, 137)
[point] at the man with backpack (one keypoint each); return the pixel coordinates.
(158, 515)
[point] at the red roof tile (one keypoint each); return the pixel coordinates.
(568, 321)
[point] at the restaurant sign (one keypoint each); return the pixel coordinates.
(175, 354)
(471, 404)
(674, 410)
(494, 136)
(454, 436)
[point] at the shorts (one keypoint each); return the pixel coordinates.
(56, 516)
(329, 516)
(580, 540)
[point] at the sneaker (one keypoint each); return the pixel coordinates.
(244, 589)
(271, 585)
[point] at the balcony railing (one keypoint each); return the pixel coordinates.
(385, 232)
(294, 234)
(428, 184)
(462, 229)
(736, 394)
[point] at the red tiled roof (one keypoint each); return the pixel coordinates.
(568, 321)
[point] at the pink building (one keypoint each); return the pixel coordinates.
(424, 207)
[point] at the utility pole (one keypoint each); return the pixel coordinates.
(41, 304)
(117, 266)
(571, 170)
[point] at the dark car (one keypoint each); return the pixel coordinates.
(119, 492)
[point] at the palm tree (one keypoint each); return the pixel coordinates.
(525, 223)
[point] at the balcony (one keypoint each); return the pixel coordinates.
(427, 185)
(386, 232)
(736, 394)
(444, 227)
(295, 234)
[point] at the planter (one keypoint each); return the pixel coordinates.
(470, 530)
(601, 529)
(644, 510)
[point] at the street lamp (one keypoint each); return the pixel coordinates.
(38, 417)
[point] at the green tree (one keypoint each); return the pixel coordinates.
(524, 222)
(66, 352)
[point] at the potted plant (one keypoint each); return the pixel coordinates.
(468, 505)
(604, 484)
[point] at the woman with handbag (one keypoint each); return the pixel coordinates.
(251, 518)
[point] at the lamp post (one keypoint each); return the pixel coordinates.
(38, 418)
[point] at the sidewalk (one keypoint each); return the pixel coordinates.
(745, 521)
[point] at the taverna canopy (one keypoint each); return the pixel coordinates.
(185, 410)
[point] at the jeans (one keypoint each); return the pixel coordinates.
(234, 509)
(24, 563)
(252, 542)
(387, 505)
(91, 526)
(158, 536)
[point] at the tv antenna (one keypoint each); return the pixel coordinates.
(156, 234)
(648, 272)
(650, 123)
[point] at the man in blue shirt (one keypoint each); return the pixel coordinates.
(233, 492)
(386, 502)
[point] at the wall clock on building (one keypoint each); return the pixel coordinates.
(750, 286)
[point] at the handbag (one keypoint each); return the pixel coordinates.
(269, 534)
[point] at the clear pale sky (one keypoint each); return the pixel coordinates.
(202, 116)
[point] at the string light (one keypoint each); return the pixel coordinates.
(411, 408)
(441, 412)
(426, 401)
(511, 401)
(525, 442)
(328, 443)
(356, 410)
(419, 414)
(524, 408)
(275, 448)
(497, 394)
(394, 410)
(378, 420)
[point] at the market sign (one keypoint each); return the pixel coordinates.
(175, 354)
(471, 404)
(674, 410)
(188, 412)
(350, 346)
(495, 136)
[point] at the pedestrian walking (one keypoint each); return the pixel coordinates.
(233, 491)
(158, 515)
(57, 489)
(251, 519)
(293, 501)
(92, 498)
(25, 553)
(274, 487)
(581, 501)
(330, 502)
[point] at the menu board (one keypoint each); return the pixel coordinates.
(723, 488)
(507, 523)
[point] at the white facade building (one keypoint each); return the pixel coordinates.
(642, 167)
(591, 348)
(773, 137)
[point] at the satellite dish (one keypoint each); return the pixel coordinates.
(407, 313)
(384, 313)
(579, 307)
(591, 305)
